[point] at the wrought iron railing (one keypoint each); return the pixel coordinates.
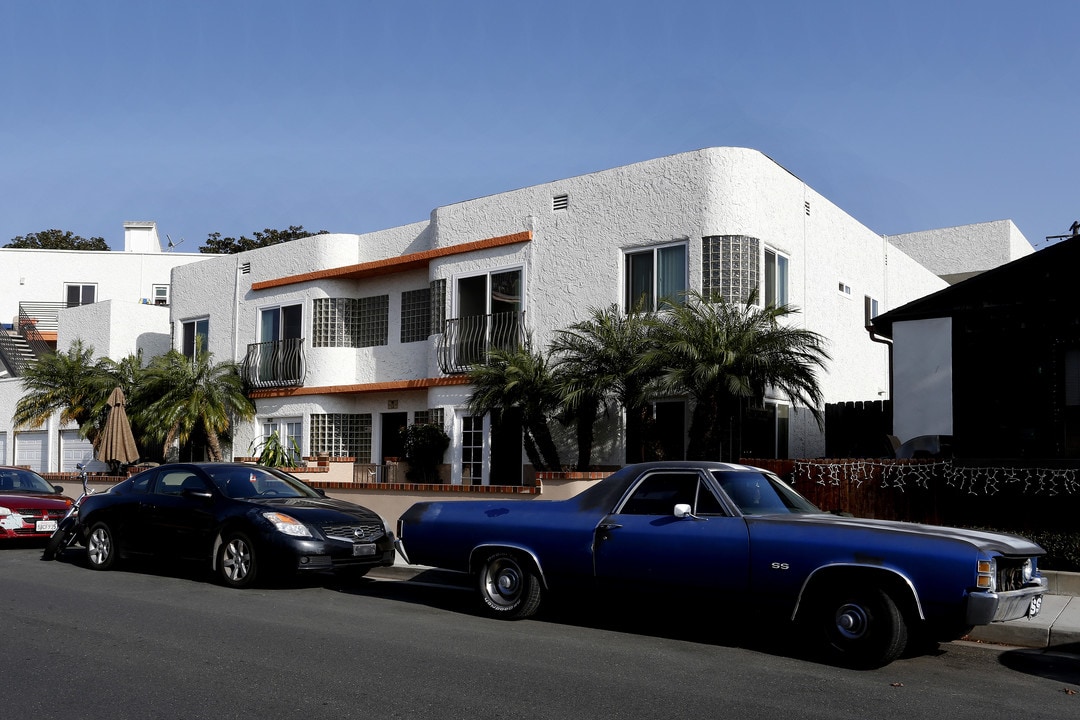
(466, 341)
(35, 318)
(275, 364)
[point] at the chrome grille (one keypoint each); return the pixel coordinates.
(36, 514)
(355, 532)
(1010, 574)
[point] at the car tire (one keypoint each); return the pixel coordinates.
(509, 587)
(101, 547)
(862, 627)
(237, 565)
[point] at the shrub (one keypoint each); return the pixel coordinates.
(424, 447)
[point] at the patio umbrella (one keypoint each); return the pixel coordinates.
(116, 444)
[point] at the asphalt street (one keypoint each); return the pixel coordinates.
(141, 642)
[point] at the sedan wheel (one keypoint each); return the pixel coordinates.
(236, 562)
(101, 547)
(863, 627)
(508, 587)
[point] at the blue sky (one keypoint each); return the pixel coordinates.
(352, 116)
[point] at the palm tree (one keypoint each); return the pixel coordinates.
(71, 383)
(601, 360)
(520, 380)
(179, 395)
(723, 355)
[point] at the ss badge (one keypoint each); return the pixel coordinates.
(780, 566)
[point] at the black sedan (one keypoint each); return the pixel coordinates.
(246, 521)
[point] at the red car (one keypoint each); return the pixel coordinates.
(30, 506)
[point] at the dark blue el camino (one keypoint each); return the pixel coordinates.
(860, 587)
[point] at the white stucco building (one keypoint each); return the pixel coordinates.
(115, 301)
(348, 337)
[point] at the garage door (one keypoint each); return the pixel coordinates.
(74, 450)
(32, 450)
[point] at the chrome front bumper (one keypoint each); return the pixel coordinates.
(984, 608)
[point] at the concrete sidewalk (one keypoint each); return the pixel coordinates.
(1056, 627)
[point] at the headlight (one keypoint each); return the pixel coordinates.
(1029, 571)
(287, 524)
(4, 511)
(987, 575)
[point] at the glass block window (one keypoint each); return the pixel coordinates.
(334, 322)
(350, 322)
(730, 266)
(342, 435)
(438, 305)
(374, 321)
(415, 315)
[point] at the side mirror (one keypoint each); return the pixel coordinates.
(197, 494)
(59, 489)
(320, 491)
(683, 510)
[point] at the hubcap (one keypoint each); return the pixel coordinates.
(503, 582)
(852, 621)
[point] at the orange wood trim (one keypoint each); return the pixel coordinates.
(362, 388)
(412, 261)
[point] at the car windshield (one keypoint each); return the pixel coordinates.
(761, 494)
(250, 482)
(24, 481)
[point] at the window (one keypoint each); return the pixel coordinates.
(280, 323)
(434, 416)
(161, 294)
(730, 266)
(351, 322)
(290, 433)
(472, 450)
(196, 337)
(870, 310)
(659, 493)
(776, 279)
(415, 315)
(844, 289)
(342, 435)
(655, 277)
(77, 295)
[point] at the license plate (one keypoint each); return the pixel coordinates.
(45, 526)
(1035, 607)
(363, 549)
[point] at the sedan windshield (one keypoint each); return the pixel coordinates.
(760, 494)
(24, 481)
(251, 482)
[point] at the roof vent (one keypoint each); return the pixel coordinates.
(245, 268)
(560, 202)
(806, 206)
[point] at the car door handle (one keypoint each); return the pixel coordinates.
(605, 526)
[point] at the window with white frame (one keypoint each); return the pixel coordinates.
(161, 295)
(870, 310)
(76, 294)
(280, 323)
(654, 277)
(196, 336)
(290, 433)
(776, 279)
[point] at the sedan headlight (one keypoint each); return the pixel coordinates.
(1029, 571)
(4, 511)
(287, 524)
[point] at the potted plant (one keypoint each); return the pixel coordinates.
(272, 452)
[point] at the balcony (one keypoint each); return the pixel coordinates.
(275, 364)
(466, 341)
